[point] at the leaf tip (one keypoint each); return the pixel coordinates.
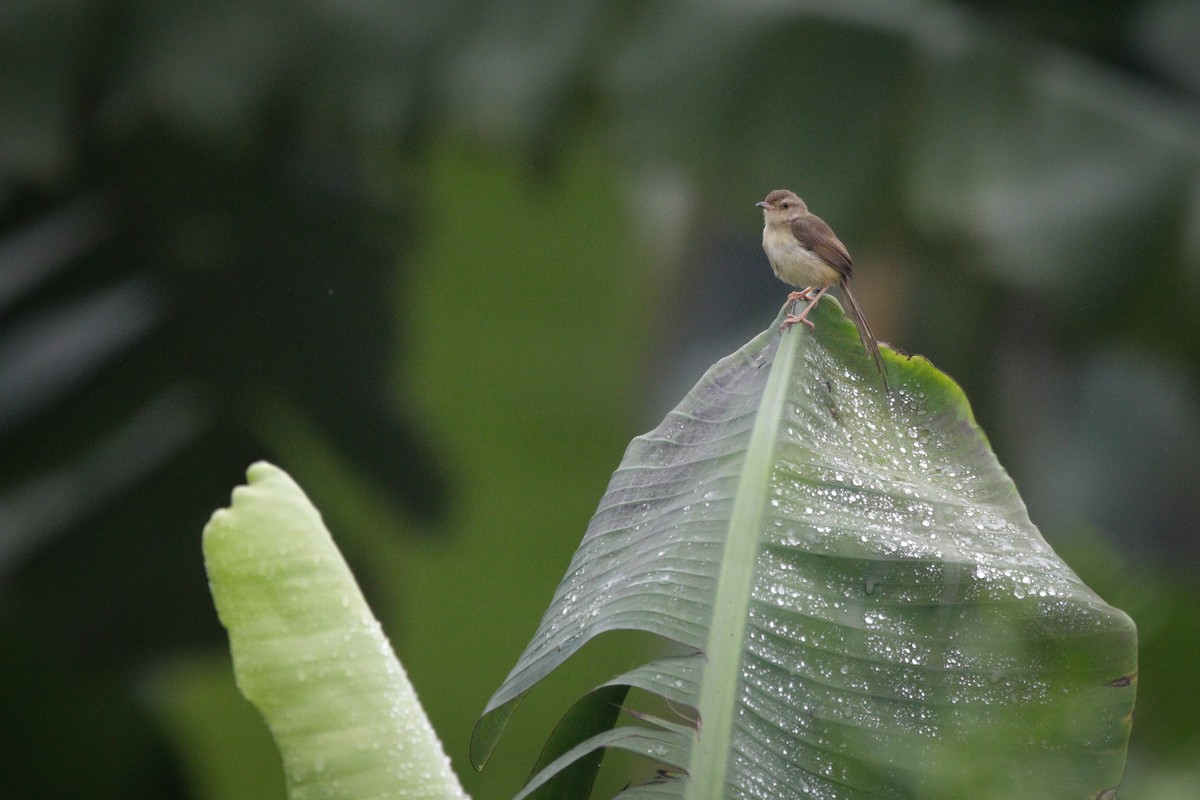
(261, 471)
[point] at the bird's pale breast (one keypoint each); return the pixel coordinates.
(794, 264)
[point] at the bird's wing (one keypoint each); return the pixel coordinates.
(814, 234)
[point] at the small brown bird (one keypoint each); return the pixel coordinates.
(805, 252)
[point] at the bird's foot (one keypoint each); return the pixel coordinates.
(803, 295)
(792, 319)
(807, 294)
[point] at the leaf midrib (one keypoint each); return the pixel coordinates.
(721, 679)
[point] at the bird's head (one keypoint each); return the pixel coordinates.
(782, 206)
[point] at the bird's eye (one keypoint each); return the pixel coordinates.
(785, 204)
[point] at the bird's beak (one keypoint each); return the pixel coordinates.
(761, 204)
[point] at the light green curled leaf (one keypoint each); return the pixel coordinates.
(876, 615)
(310, 655)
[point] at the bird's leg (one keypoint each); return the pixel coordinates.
(792, 319)
(804, 294)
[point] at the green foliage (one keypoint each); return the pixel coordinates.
(309, 654)
(212, 211)
(870, 610)
(873, 612)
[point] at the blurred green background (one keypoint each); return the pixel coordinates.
(442, 260)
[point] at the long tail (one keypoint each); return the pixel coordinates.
(864, 332)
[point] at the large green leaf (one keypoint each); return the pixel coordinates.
(310, 655)
(873, 612)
